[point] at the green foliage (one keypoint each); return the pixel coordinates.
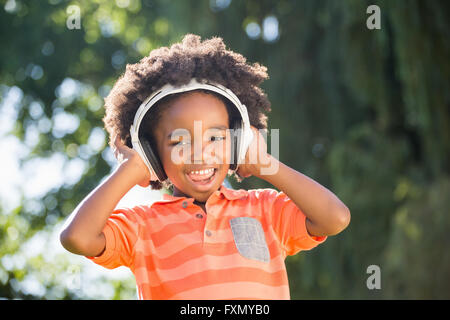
(363, 112)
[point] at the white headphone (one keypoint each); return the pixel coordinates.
(241, 139)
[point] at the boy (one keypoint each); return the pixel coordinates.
(205, 241)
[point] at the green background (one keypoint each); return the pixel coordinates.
(366, 113)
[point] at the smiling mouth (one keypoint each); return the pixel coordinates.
(202, 177)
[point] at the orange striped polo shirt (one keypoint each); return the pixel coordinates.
(235, 251)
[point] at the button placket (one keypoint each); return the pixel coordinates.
(209, 218)
(207, 233)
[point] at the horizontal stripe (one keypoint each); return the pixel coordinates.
(169, 231)
(153, 261)
(204, 263)
(182, 241)
(185, 229)
(156, 224)
(175, 247)
(227, 291)
(224, 276)
(253, 291)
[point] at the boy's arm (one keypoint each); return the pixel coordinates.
(83, 231)
(325, 213)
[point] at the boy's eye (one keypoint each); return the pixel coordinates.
(217, 138)
(180, 143)
(185, 142)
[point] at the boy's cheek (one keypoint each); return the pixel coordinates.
(180, 155)
(218, 153)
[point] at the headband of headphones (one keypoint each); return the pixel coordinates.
(243, 140)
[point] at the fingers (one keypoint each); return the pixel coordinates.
(117, 141)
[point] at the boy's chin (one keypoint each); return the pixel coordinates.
(201, 190)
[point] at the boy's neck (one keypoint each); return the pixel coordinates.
(178, 193)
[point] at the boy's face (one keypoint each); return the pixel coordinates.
(192, 136)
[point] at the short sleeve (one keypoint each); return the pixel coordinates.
(121, 233)
(289, 223)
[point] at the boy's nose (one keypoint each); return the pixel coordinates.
(207, 152)
(202, 153)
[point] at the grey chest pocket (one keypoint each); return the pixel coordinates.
(249, 238)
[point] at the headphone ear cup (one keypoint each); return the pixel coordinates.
(153, 159)
(235, 142)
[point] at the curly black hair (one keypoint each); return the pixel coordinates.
(191, 58)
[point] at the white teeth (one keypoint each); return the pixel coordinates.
(202, 171)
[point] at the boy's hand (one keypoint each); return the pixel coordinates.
(256, 157)
(131, 158)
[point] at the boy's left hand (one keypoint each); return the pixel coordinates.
(256, 156)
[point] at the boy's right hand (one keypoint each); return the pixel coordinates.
(131, 158)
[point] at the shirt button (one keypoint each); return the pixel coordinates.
(208, 233)
(199, 216)
(184, 204)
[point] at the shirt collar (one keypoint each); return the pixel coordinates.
(228, 193)
(232, 194)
